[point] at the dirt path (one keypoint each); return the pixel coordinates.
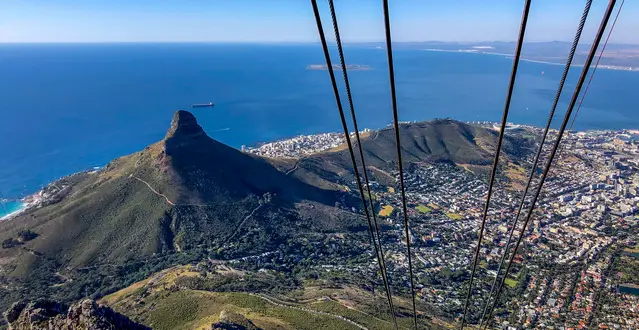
(166, 198)
(362, 312)
(309, 311)
(294, 168)
(241, 223)
(153, 190)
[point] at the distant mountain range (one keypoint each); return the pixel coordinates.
(189, 193)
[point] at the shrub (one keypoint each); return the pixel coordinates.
(26, 235)
(9, 243)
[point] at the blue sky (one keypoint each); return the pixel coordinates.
(292, 20)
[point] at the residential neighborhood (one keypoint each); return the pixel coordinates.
(576, 267)
(299, 145)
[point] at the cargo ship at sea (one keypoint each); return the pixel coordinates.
(202, 105)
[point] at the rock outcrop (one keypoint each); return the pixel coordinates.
(233, 321)
(48, 314)
(184, 130)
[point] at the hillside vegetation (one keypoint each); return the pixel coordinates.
(435, 141)
(189, 198)
(168, 300)
(187, 192)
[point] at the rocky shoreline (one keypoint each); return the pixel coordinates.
(51, 194)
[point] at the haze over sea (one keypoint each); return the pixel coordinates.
(68, 107)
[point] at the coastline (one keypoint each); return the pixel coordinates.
(51, 191)
(23, 206)
(474, 51)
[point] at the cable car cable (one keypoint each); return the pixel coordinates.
(391, 74)
(539, 151)
(511, 85)
(562, 129)
(338, 41)
(329, 65)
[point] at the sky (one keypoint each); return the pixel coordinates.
(293, 21)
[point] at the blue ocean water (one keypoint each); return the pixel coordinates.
(8, 207)
(69, 107)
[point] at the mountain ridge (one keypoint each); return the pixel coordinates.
(188, 196)
(434, 141)
(183, 191)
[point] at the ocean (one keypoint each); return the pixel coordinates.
(8, 207)
(69, 107)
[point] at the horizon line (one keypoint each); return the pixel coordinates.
(283, 42)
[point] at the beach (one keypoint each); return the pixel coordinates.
(10, 208)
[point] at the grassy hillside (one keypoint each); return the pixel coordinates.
(189, 198)
(186, 192)
(163, 301)
(437, 141)
(434, 141)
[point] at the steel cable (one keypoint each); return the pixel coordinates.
(391, 74)
(584, 73)
(539, 151)
(594, 70)
(511, 85)
(329, 65)
(340, 50)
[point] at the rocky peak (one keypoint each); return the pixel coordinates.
(184, 125)
(48, 314)
(184, 132)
